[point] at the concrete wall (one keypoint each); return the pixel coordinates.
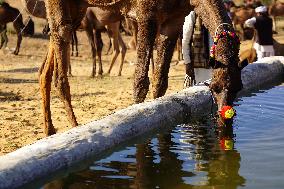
(63, 150)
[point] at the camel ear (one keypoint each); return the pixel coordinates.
(243, 64)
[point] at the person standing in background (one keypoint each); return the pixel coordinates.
(262, 23)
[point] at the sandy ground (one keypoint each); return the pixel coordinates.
(92, 98)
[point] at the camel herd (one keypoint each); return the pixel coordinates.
(157, 22)
(241, 14)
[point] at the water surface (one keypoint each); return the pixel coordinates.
(198, 155)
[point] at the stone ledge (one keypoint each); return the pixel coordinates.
(62, 150)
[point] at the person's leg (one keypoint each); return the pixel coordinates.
(259, 54)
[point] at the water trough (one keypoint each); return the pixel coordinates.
(63, 150)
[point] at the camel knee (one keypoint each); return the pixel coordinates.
(62, 33)
(123, 49)
(116, 52)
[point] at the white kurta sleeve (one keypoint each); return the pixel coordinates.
(250, 22)
(188, 27)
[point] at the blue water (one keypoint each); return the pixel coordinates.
(198, 155)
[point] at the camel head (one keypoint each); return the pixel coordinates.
(226, 78)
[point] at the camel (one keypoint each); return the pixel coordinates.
(249, 55)
(95, 19)
(35, 8)
(274, 10)
(111, 20)
(239, 16)
(11, 14)
(151, 15)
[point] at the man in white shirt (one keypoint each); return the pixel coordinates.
(263, 26)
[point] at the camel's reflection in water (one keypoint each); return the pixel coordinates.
(190, 156)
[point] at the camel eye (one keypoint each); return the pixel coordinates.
(216, 88)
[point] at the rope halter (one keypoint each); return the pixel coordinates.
(232, 37)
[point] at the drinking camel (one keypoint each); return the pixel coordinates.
(151, 15)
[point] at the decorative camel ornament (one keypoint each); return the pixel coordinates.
(11, 14)
(151, 15)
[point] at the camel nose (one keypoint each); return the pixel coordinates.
(223, 100)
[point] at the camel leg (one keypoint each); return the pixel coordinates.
(4, 38)
(123, 52)
(99, 46)
(76, 43)
(133, 43)
(179, 43)
(147, 30)
(152, 65)
(61, 31)
(274, 23)
(114, 27)
(45, 78)
(61, 79)
(72, 45)
(109, 44)
(19, 35)
(90, 35)
(169, 34)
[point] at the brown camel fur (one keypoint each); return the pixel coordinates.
(239, 16)
(274, 10)
(168, 16)
(93, 27)
(35, 8)
(111, 20)
(249, 55)
(11, 14)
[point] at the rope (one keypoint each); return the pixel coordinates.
(20, 13)
(216, 31)
(29, 17)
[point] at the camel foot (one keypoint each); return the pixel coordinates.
(141, 96)
(50, 131)
(15, 53)
(77, 54)
(100, 76)
(100, 72)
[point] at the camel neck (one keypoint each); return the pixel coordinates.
(212, 14)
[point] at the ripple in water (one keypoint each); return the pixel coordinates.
(198, 156)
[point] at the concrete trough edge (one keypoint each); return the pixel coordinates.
(63, 150)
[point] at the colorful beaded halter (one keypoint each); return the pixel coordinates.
(233, 40)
